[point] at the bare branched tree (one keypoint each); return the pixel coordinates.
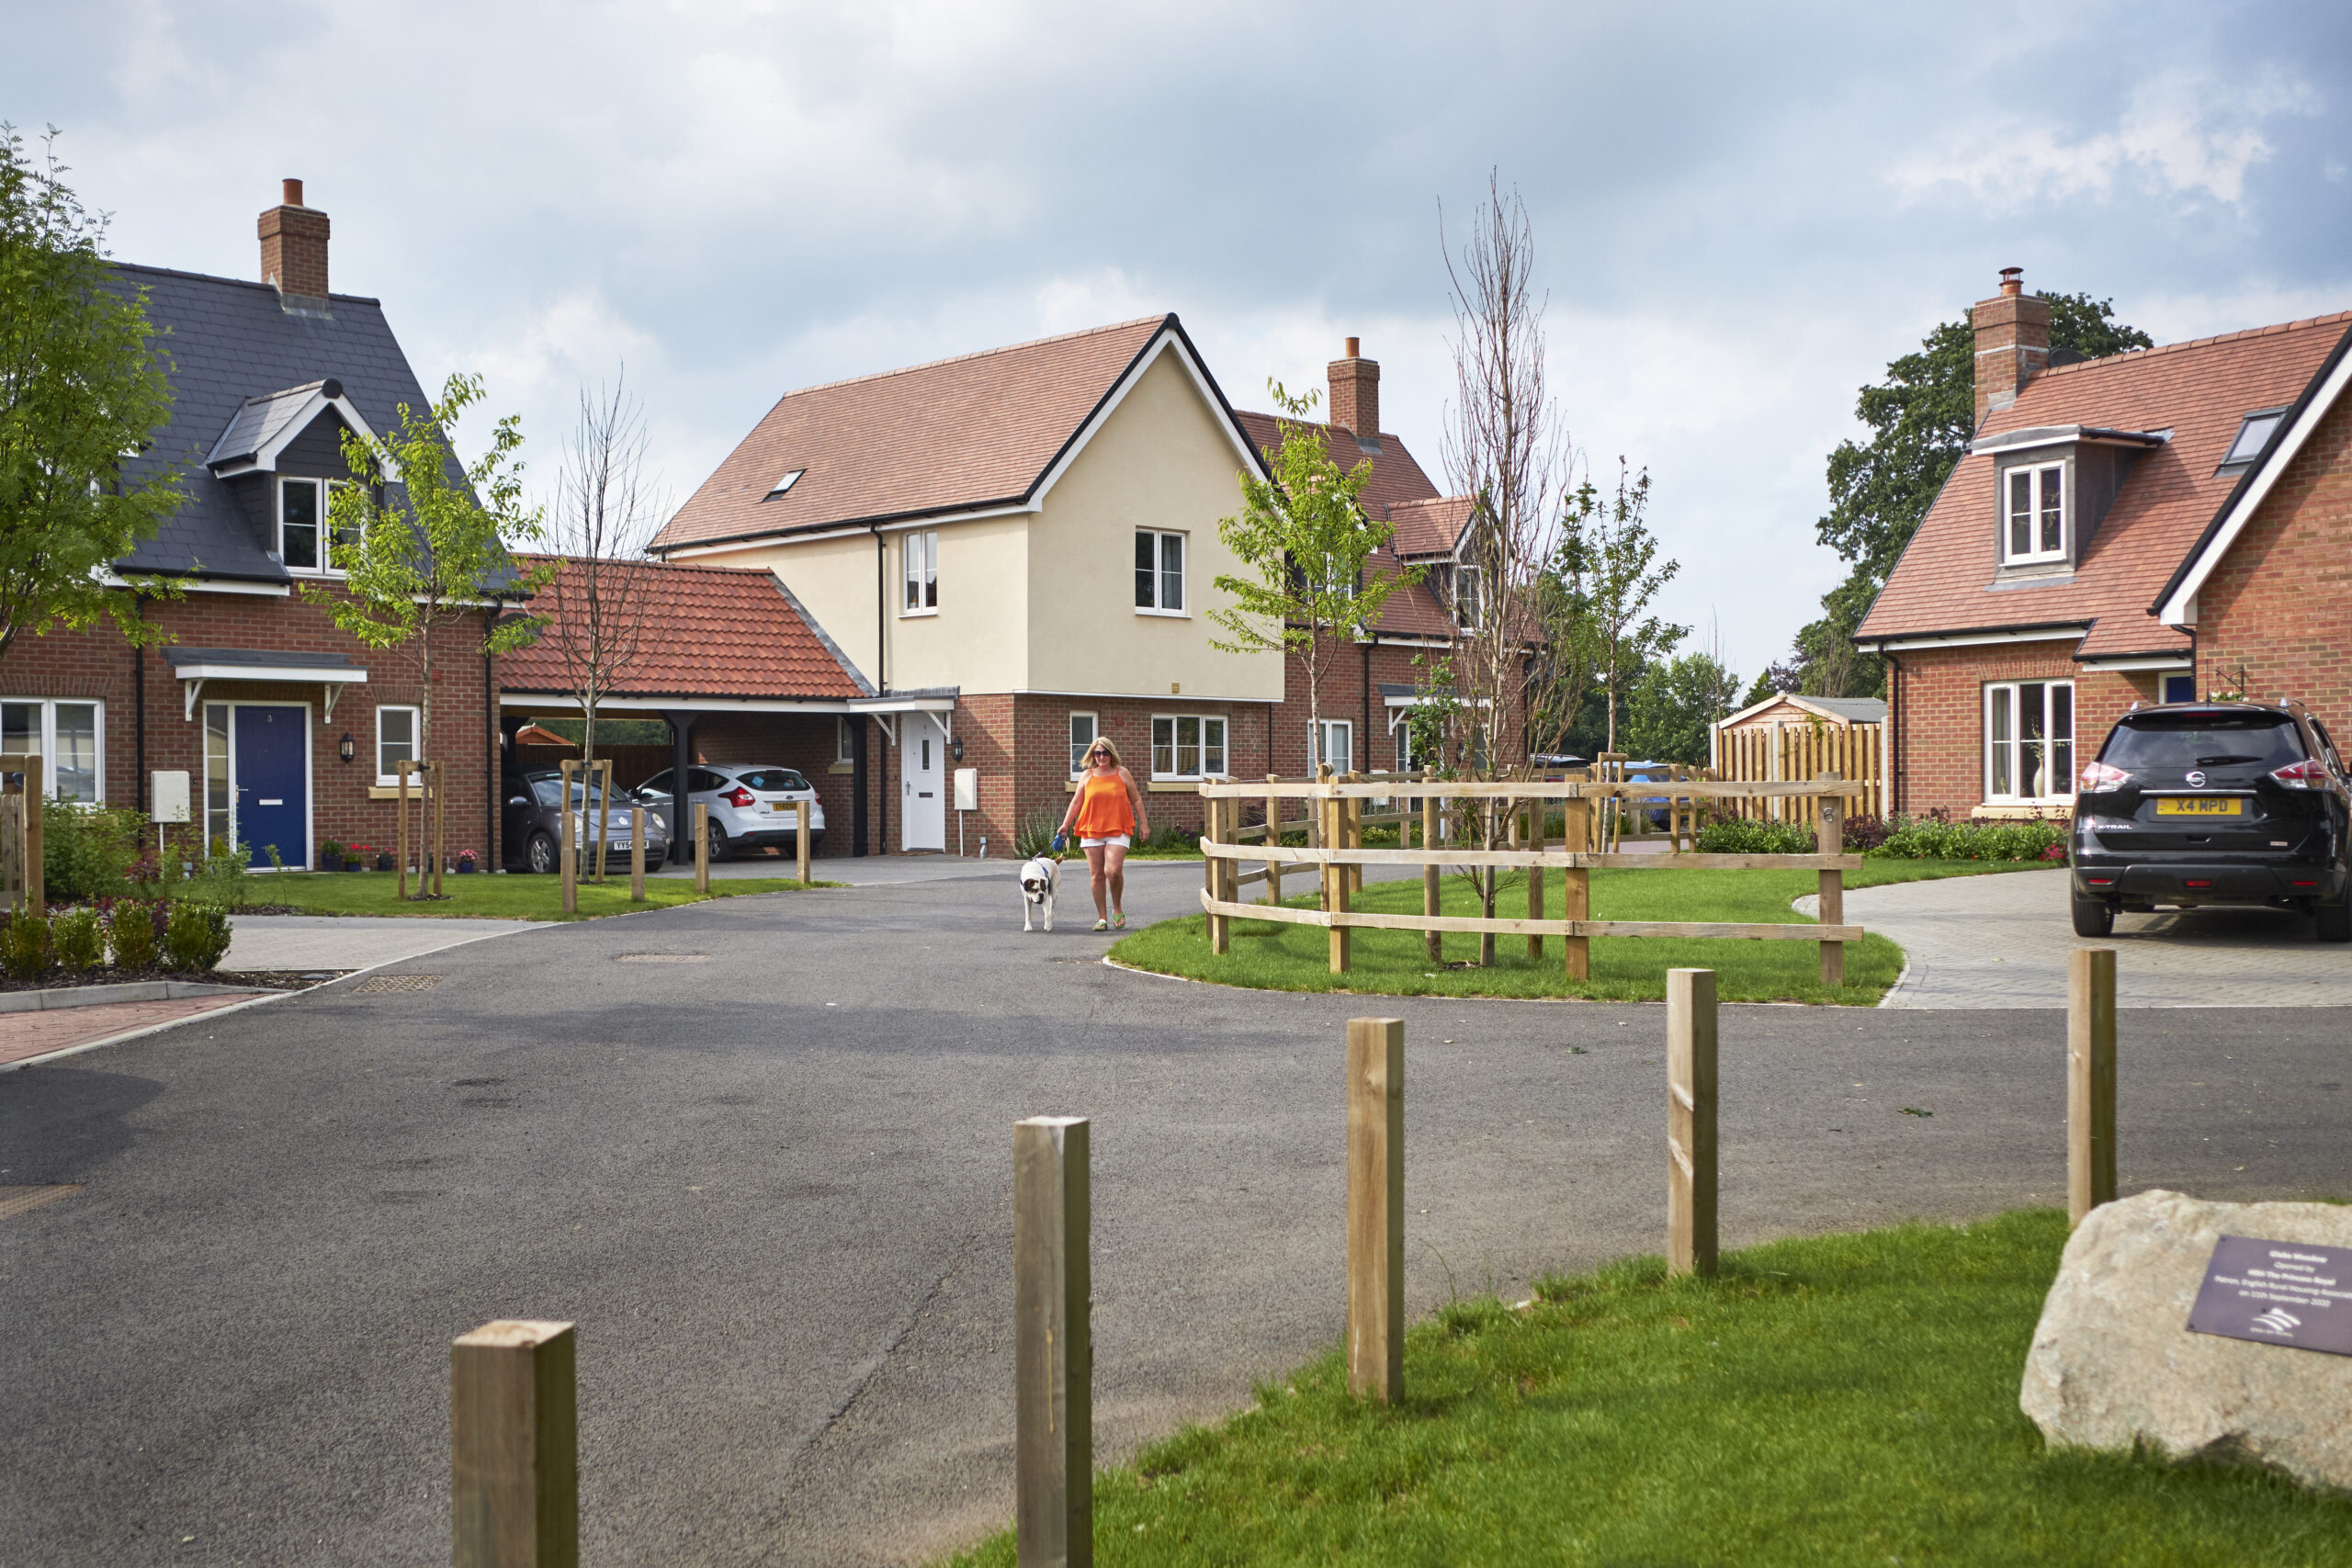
(605, 511)
(1504, 448)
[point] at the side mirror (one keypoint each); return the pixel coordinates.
(518, 800)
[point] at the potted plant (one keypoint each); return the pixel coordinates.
(465, 862)
(384, 860)
(354, 857)
(330, 855)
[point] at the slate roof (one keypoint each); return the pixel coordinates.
(978, 430)
(712, 631)
(261, 420)
(1946, 582)
(230, 340)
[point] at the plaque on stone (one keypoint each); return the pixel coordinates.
(2276, 1292)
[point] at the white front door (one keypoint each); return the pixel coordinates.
(922, 817)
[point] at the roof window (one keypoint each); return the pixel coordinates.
(784, 483)
(2252, 435)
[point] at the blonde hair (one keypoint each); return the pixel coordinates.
(1103, 743)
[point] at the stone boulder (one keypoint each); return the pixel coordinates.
(2113, 1360)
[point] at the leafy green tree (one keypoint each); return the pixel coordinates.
(426, 542)
(1921, 419)
(1675, 707)
(1307, 541)
(1610, 574)
(82, 386)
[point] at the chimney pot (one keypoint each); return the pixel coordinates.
(293, 189)
(1355, 393)
(2013, 280)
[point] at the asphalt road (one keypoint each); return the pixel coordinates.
(771, 1184)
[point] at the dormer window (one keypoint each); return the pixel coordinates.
(1467, 605)
(2034, 515)
(2254, 435)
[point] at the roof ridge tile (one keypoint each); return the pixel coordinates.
(976, 354)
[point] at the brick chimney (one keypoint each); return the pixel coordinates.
(294, 247)
(2012, 343)
(1355, 393)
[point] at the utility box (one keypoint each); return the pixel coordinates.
(967, 789)
(167, 793)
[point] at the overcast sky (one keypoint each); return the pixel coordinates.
(1741, 212)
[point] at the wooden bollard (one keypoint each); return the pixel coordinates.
(802, 807)
(514, 1448)
(1273, 841)
(1213, 832)
(1830, 841)
(400, 835)
(1576, 890)
(567, 852)
(637, 855)
(1690, 1121)
(1376, 1208)
(701, 847)
(1335, 881)
(1432, 809)
(1052, 1346)
(36, 792)
(2090, 1080)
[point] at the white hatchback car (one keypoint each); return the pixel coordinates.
(750, 807)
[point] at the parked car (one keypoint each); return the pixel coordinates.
(534, 835)
(751, 807)
(2194, 804)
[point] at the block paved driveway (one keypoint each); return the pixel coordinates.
(759, 1149)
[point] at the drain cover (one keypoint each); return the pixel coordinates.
(664, 957)
(376, 983)
(16, 1200)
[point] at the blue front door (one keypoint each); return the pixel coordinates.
(273, 762)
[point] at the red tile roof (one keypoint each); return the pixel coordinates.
(710, 632)
(978, 429)
(2200, 390)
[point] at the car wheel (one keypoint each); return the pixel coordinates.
(2335, 919)
(719, 848)
(2093, 917)
(541, 855)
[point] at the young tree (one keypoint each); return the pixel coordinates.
(1921, 418)
(426, 543)
(1610, 561)
(82, 388)
(1676, 706)
(1307, 541)
(606, 510)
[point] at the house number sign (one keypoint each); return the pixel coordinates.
(2277, 1293)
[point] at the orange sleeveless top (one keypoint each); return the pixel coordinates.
(1104, 808)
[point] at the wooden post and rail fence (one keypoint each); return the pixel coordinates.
(1337, 819)
(1769, 753)
(21, 791)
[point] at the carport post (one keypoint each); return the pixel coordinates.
(2090, 1080)
(514, 1448)
(701, 847)
(802, 807)
(568, 853)
(1690, 1121)
(637, 855)
(1053, 1345)
(1376, 1208)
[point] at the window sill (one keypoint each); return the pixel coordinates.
(392, 791)
(1165, 614)
(841, 768)
(2023, 810)
(917, 614)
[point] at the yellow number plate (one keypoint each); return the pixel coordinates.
(2198, 805)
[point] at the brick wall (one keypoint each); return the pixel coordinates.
(1937, 713)
(2279, 606)
(97, 664)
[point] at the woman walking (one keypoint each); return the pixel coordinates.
(1106, 812)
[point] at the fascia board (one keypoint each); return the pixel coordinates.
(332, 675)
(2139, 661)
(526, 698)
(2178, 606)
(1971, 639)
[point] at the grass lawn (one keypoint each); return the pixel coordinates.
(494, 897)
(1297, 958)
(1841, 1400)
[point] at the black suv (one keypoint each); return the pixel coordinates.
(2214, 803)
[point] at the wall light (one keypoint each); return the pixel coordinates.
(347, 747)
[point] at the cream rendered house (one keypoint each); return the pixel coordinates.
(1017, 550)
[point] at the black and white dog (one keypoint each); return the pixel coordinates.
(1040, 876)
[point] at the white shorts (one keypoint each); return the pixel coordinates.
(1118, 838)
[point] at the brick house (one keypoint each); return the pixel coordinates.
(287, 728)
(2148, 527)
(1016, 550)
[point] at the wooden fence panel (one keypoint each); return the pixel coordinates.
(1787, 751)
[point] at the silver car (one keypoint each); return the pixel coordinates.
(751, 807)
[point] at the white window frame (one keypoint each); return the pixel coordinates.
(1202, 748)
(2058, 750)
(844, 740)
(48, 780)
(1316, 748)
(1078, 748)
(416, 733)
(919, 573)
(2035, 474)
(1182, 609)
(1474, 599)
(326, 489)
